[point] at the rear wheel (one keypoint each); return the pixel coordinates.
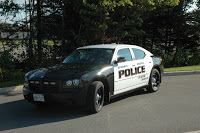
(154, 81)
(96, 96)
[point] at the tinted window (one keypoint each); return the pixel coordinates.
(90, 56)
(124, 53)
(139, 54)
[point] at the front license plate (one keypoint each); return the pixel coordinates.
(38, 97)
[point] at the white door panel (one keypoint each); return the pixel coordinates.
(122, 77)
(128, 75)
(129, 88)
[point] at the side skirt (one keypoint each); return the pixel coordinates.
(117, 95)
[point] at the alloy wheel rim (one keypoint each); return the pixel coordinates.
(155, 81)
(99, 98)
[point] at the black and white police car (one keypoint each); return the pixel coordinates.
(94, 74)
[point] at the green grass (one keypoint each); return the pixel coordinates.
(11, 83)
(35, 42)
(16, 42)
(185, 68)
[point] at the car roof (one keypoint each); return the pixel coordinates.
(114, 45)
(108, 46)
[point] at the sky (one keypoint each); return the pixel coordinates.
(17, 1)
(19, 16)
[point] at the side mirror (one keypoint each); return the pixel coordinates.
(120, 59)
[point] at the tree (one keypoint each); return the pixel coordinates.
(119, 20)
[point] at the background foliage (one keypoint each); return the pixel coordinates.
(167, 28)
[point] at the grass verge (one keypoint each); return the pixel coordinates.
(185, 68)
(11, 83)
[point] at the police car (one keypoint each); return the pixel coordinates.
(94, 74)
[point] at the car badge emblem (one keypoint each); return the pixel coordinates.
(42, 77)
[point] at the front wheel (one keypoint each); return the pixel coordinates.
(96, 96)
(154, 81)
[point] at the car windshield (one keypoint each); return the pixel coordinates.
(90, 56)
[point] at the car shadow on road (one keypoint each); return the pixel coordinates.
(19, 114)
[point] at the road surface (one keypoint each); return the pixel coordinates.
(175, 108)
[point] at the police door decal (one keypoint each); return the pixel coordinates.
(131, 71)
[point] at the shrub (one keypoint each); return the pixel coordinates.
(6, 61)
(8, 67)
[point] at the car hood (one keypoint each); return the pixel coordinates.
(63, 72)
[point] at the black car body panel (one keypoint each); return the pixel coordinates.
(60, 74)
(158, 63)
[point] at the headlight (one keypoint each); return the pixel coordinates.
(76, 82)
(69, 83)
(73, 83)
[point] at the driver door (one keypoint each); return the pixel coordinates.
(124, 78)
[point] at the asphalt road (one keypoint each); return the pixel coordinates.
(175, 108)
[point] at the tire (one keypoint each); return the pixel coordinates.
(96, 97)
(154, 81)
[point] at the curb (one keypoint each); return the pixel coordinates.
(10, 89)
(193, 132)
(181, 73)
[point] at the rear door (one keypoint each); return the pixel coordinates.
(145, 62)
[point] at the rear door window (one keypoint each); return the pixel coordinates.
(139, 54)
(124, 53)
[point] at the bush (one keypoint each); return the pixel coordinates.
(6, 61)
(8, 67)
(194, 60)
(181, 58)
(167, 60)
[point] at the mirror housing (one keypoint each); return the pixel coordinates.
(120, 59)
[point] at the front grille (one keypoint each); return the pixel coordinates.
(45, 86)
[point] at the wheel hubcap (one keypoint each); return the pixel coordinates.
(155, 81)
(99, 98)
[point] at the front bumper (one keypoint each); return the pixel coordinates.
(70, 98)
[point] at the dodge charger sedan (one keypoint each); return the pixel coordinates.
(91, 75)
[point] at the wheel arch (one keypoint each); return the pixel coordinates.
(106, 86)
(159, 69)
